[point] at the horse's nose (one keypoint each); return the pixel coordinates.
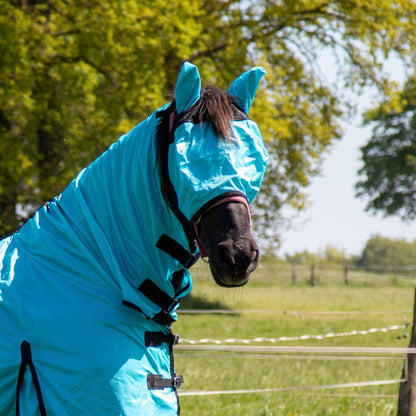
(237, 260)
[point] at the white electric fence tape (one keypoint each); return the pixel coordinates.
(330, 352)
(300, 350)
(299, 338)
(285, 389)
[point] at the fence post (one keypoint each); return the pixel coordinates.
(313, 275)
(407, 391)
(346, 274)
(294, 274)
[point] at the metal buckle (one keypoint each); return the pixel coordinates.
(177, 382)
(172, 306)
(193, 258)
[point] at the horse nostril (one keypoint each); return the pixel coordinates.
(226, 254)
(255, 256)
(254, 260)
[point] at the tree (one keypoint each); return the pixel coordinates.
(383, 254)
(74, 75)
(389, 158)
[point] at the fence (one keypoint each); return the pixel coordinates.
(407, 392)
(319, 273)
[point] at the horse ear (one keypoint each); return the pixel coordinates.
(244, 88)
(188, 87)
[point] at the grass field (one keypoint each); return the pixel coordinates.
(270, 306)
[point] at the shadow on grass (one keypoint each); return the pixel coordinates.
(192, 302)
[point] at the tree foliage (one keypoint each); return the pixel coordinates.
(383, 254)
(330, 255)
(388, 175)
(74, 75)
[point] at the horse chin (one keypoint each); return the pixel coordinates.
(229, 279)
(228, 283)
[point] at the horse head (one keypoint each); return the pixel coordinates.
(215, 164)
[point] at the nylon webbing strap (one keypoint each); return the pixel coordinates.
(177, 251)
(27, 361)
(157, 295)
(157, 382)
(156, 339)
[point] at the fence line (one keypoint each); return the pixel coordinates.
(272, 349)
(325, 357)
(301, 350)
(287, 389)
(285, 339)
(283, 312)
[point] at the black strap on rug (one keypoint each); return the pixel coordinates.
(177, 251)
(157, 296)
(156, 339)
(27, 361)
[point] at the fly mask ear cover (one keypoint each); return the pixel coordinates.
(203, 167)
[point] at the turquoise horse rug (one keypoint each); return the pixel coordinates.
(89, 286)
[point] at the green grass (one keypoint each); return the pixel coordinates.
(382, 300)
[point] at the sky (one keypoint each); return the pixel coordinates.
(335, 216)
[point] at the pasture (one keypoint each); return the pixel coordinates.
(270, 306)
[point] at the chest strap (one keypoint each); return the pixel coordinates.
(177, 251)
(156, 339)
(158, 296)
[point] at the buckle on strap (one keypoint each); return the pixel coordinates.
(157, 382)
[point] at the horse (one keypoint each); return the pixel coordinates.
(90, 285)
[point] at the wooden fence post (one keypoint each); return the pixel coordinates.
(294, 274)
(313, 275)
(346, 274)
(407, 391)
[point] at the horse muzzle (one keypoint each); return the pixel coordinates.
(232, 262)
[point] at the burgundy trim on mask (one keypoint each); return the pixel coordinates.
(234, 198)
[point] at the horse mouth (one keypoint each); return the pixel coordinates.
(231, 285)
(230, 277)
